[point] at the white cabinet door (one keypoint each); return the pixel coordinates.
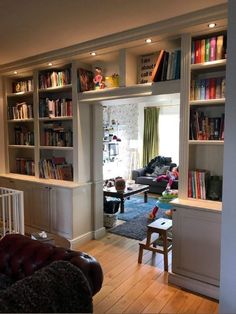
(196, 244)
(61, 211)
(40, 207)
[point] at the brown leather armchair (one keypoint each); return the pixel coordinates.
(22, 258)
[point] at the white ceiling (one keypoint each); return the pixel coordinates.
(31, 27)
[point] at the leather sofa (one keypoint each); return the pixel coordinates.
(146, 175)
(36, 267)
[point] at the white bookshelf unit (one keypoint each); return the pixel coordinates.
(74, 208)
(197, 216)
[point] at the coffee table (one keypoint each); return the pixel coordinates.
(130, 190)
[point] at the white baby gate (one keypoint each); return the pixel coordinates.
(11, 211)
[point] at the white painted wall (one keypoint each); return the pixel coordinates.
(228, 236)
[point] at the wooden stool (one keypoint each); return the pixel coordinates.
(160, 227)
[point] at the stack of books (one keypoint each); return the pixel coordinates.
(209, 88)
(197, 184)
(55, 168)
(203, 127)
(208, 49)
(167, 66)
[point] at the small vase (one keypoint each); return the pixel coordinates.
(120, 185)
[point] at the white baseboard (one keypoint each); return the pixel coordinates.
(99, 233)
(81, 240)
(194, 285)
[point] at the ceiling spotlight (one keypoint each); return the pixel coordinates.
(148, 40)
(15, 72)
(211, 25)
(50, 64)
(93, 53)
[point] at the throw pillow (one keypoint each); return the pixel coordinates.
(5, 281)
(159, 170)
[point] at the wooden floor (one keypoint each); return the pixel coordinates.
(130, 287)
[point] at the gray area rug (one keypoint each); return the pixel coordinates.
(134, 229)
(137, 227)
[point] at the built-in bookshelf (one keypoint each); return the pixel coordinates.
(40, 124)
(131, 69)
(206, 116)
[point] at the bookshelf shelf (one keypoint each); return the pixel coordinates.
(208, 65)
(206, 142)
(205, 205)
(138, 90)
(20, 94)
(20, 120)
(207, 102)
(56, 148)
(56, 118)
(22, 146)
(67, 87)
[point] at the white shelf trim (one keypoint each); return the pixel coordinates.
(206, 142)
(207, 102)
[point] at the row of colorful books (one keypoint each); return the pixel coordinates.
(55, 107)
(54, 78)
(25, 166)
(55, 168)
(208, 49)
(58, 137)
(23, 136)
(210, 88)
(203, 127)
(167, 66)
(20, 111)
(198, 183)
(25, 85)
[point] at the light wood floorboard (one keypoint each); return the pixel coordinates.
(130, 287)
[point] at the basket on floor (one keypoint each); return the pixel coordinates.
(110, 220)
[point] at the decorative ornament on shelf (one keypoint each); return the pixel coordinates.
(120, 184)
(99, 80)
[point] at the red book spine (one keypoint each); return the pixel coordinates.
(213, 49)
(197, 51)
(207, 89)
(212, 87)
(190, 192)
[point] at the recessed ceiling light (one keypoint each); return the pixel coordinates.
(211, 25)
(93, 53)
(15, 72)
(148, 40)
(50, 63)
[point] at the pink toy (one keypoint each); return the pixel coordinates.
(99, 79)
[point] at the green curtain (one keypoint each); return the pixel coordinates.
(150, 134)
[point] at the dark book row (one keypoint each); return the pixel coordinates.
(210, 88)
(23, 136)
(20, 111)
(57, 135)
(25, 166)
(208, 49)
(55, 168)
(167, 66)
(23, 85)
(50, 108)
(54, 78)
(203, 127)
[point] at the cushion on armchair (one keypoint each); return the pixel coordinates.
(59, 287)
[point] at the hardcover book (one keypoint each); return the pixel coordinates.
(156, 74)
(85, 80)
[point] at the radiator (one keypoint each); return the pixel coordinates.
(11, 211)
